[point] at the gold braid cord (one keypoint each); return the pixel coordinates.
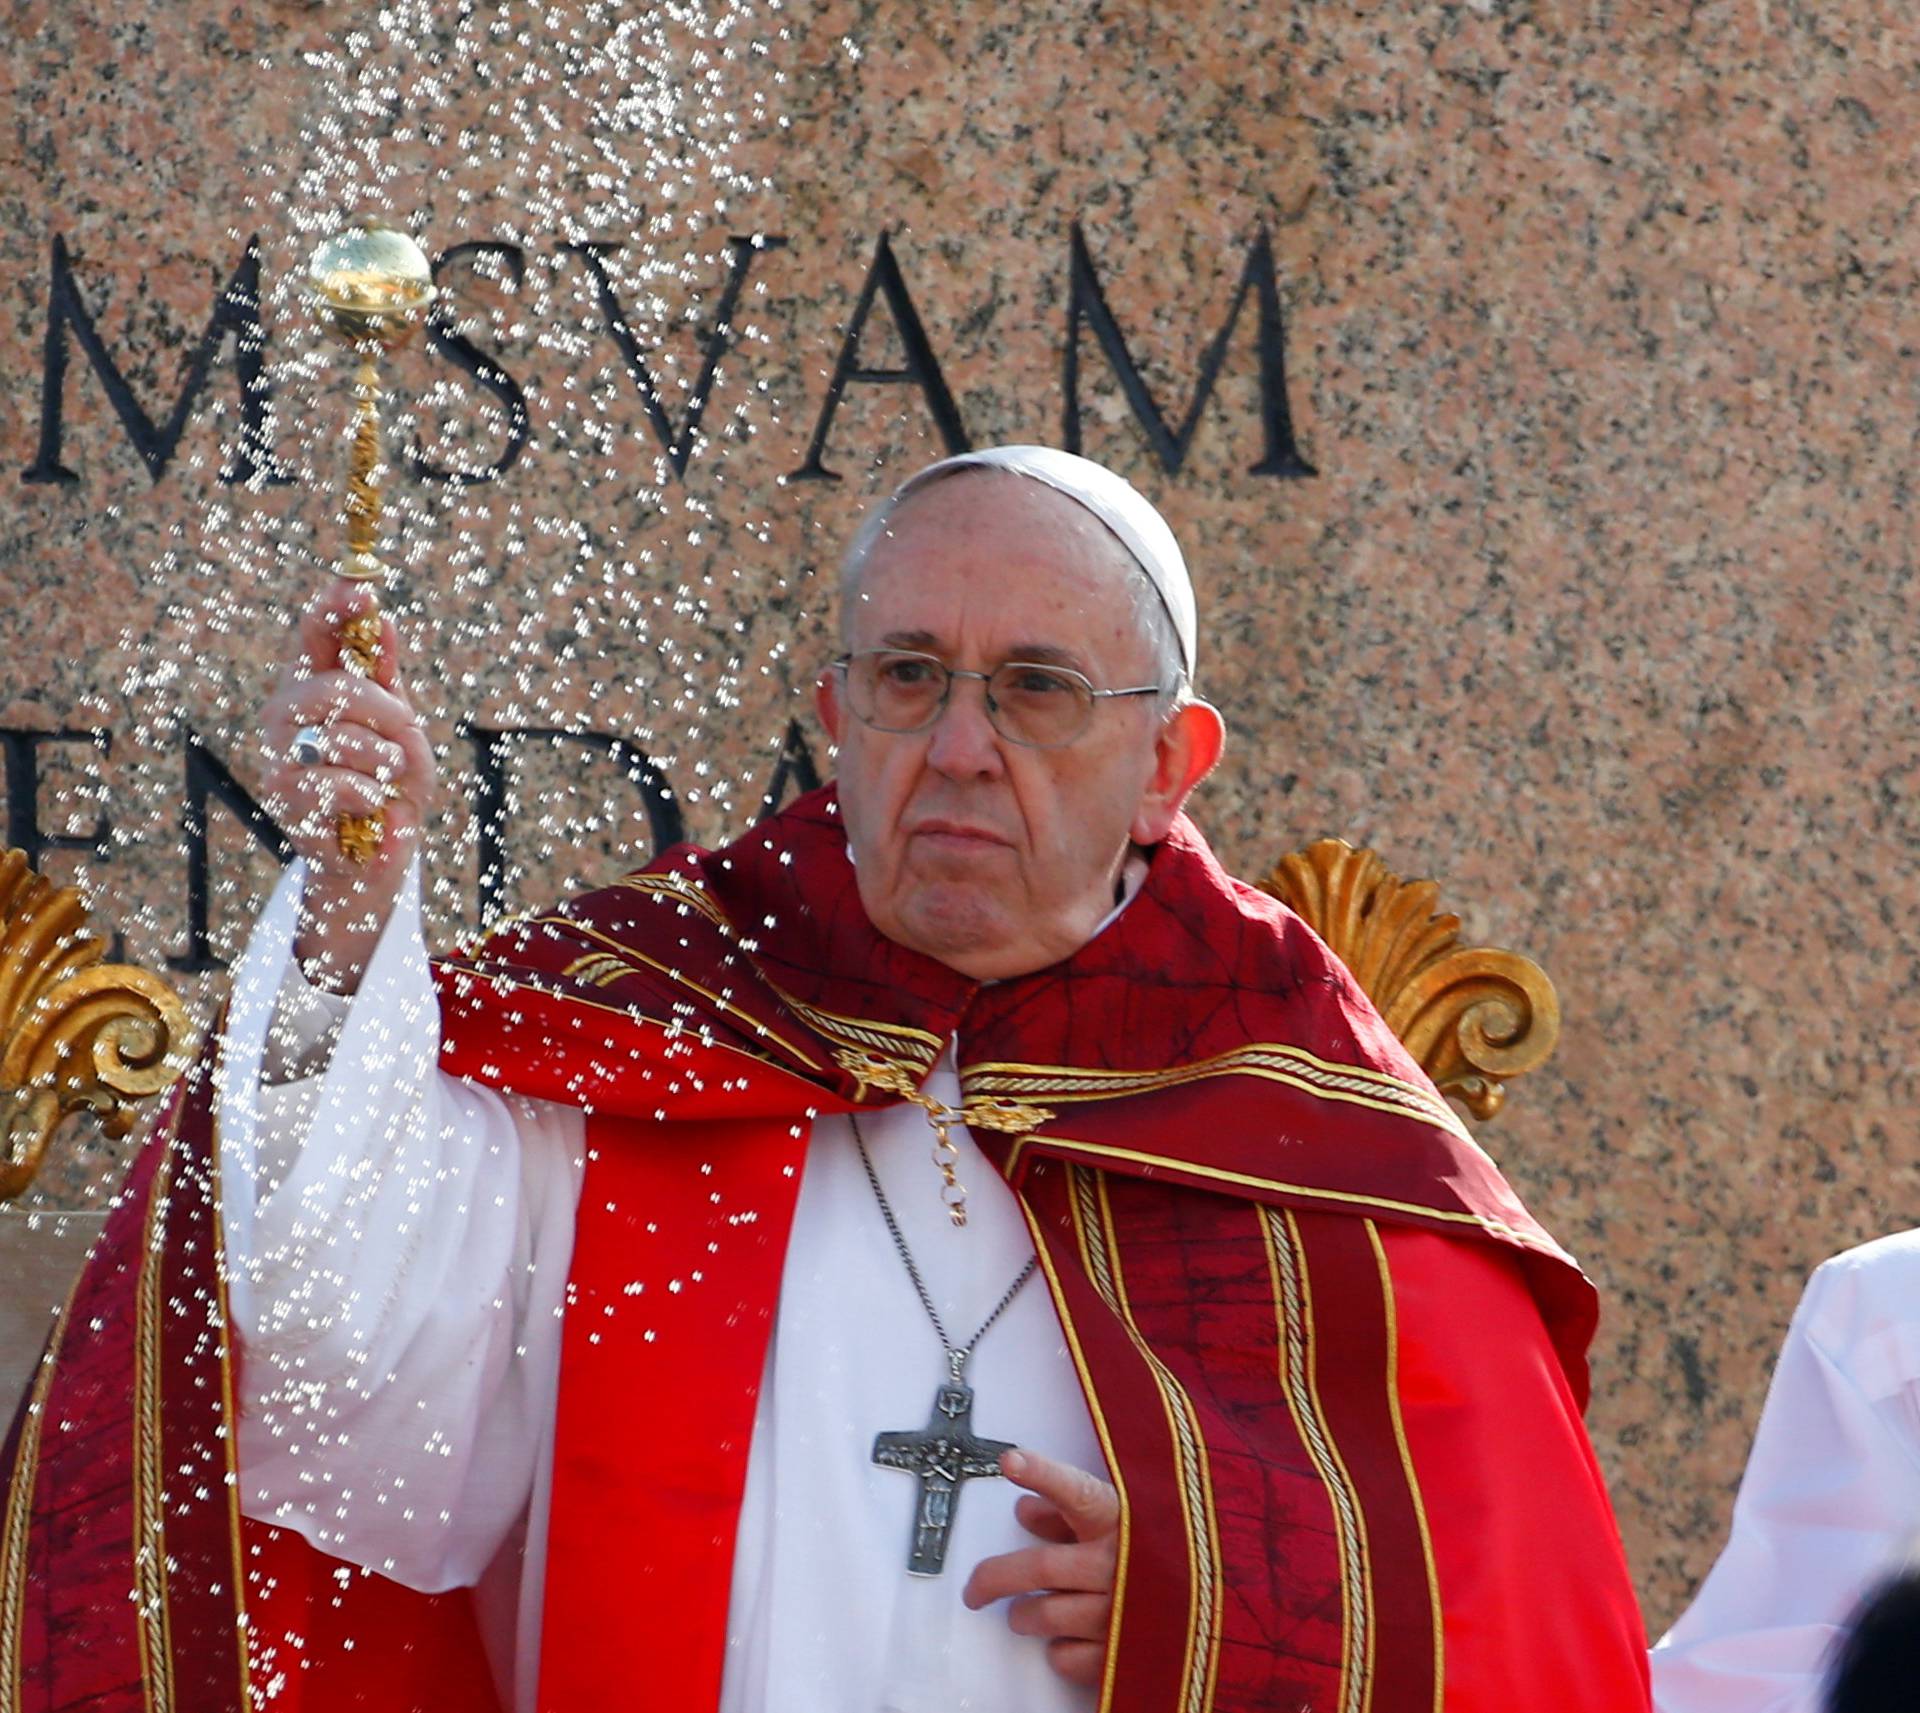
(1009, 1117)
(76, 1034)
(1474, 1017)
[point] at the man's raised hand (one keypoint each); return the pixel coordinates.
(1062, 1590)
(374, 759)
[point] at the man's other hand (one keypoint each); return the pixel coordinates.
(375, 759)
(1062, 1590)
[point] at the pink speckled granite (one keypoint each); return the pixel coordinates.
(1600, 335)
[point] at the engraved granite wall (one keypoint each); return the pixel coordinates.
(1547, 490)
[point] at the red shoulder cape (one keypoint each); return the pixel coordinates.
(1336, 1367)
(1206, 1037)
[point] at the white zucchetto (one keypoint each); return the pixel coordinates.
(1115, 501)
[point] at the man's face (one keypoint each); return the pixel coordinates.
(995, 858)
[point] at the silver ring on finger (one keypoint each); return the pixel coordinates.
(308, 747)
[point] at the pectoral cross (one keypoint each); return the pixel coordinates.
(943, 1454)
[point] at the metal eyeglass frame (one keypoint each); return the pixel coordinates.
(844, 661)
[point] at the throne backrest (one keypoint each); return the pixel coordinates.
(77, 1034)
(1475, 1017)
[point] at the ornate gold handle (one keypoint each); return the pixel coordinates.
(359, 836)
(371, 288)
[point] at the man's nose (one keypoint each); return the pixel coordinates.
(964, 744)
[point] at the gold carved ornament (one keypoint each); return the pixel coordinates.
(1474, 1017)
(76, 1034)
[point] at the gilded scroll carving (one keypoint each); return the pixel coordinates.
(1475, 1017)
(76, 1034)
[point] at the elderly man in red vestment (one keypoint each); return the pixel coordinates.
(952, 1247)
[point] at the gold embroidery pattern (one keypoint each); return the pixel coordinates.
(1094, 1215)
(502, 978)
(230, 1423)
(633, 962)
(1294, 1314)
(860, 1034)
(681, 891)
(19, 1519)
(151, 1620)
(882, 1041)
(1067, 1325)
(597, 969)
(1359, 1085)
(1101, 1152)
(1406, 1463)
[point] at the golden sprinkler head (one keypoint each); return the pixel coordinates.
(370, 287)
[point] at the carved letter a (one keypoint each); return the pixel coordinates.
(921, 369)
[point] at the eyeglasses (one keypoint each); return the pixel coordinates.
(1039, 707)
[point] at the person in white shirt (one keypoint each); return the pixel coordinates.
(1829, 1506)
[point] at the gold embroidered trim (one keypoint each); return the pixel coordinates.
(1293, 1313)
(1093, 1215)
(230, 1432)
(1406, 1463)
(19, 1519)
(867, 1034)
(152, 1622)
(876, 1042)
(597, 969)
(1101, 1430)
(1361, 1085)
(636, 961)
(639, 960)
(681, 891)
(1099, 1151)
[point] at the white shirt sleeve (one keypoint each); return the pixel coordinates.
(1830, 1501)
(398, 1243)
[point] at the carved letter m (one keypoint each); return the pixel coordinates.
(235, 311)
(1087, 303)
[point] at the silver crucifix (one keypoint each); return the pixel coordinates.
(943, 1454)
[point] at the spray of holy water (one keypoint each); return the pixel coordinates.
(556, 561)
(579, 170)
(586, 173)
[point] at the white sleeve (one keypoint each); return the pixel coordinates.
(397, 1247)
(1829, 1503)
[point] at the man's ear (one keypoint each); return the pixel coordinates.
(1184, 754)
(826, 703)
